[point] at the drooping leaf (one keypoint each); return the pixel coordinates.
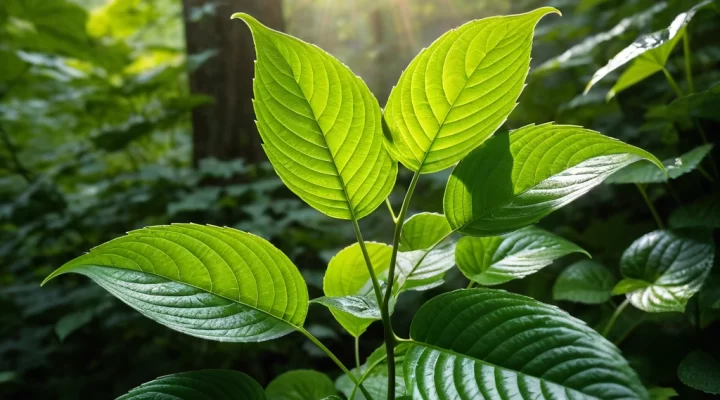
(702, 213)
(320, 125)
(650, 53)
(664, 269)
(675, 167)
(424, 269)
(459, 90)
(215, 384)
(585, 281)
(301, 384)
(703, 105)
(700, 371)
(497, 259)
(347, 275)
(484, 343)
(422, 231)
(513, 180)
(206, 281)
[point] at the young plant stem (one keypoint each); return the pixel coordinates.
(389, 206)
(672, 82)
(339, 363)
(614, 317)
(470, 285)
(357, 352)
(385, 309)
(368, 263)
(650, 205)
(688, 63)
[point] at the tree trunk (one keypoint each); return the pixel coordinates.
(226, 129)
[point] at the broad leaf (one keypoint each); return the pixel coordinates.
(302, 384)
(513, 180)
(484, 343)
(498, 259)
(206, 281)
(664, 269)
(422, 231)
(702, 213)
(703, 105)
(650, 53)
(585, 282)
(216, 384)
(700, 371)
(363, 307)
(320, 125)
(459, 90)
(347, 275)
(675, 167)
(424, 269)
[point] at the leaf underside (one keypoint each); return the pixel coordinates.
(199, 385)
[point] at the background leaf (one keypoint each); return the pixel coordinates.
(320, 125)
(585, 281)
(422, 231)
(513, 180)
(217, 384)
(673, 264)
(700, 371)
(675, 167)
(210, 282)
(702, 213)
(302, 384)
(459, 90)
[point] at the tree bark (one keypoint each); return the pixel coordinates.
(226, 129)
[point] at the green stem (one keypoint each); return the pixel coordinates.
(614, 317)
(389, 206)
(368, 263)
(688, 63)
(385, 309)
(470, 285)
(357, 352)
(650, 205)
(672, 82)
(339, 363)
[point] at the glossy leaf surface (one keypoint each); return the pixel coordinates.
(497, 259)
(675, 167)
(320, 125)
(513, 180)
(484, 343)
(206, 281)
(585, 281)
(424, 269)
(700, 371)
(302, 384)
(210, 384)
(459, 90)
(664, 269)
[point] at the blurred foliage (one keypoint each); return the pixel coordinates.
(96, 140)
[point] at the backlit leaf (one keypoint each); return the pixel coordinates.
(675, 167)
(422, 231)
(216, 384)
(585, 281)
(498, 259)
(459, 90)
(320, 125)
(671, 264)
(484, 343)
(513, 180)
(206, 281)
(302, 384)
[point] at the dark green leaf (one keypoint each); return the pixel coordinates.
(302, 384)
(700, 371)
(585, 281)
(675, 167)
(209, 384)
(702, 213)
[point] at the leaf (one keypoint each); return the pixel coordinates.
(347, 275)
(423, 269)
(513, 180)
(586, 282)
(702, 213)
(662, 393)
(459, 90)
(675, 167)
(650, 53)
(363, 307)
(216, 384)
(499, 259)
(320, 125)
(301, 384)
(422, 231)
(376, 381)
(700, 371)
(484, 343)
(206, 281)
(72, 322)
(672, 265)
(703, 105)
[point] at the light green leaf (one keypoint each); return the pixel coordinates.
(650, 53)
(376, 381)
(513, 180)
(700, 371)
(320, 125)
(662, 393)
(206, 281)
(675, 167)
(484, 343)
(702, 213)
(301, 384)
(585, 281)
(347, 275)
(498, 259)
(671, 264)
(424, 269)
(459, 90)
(216, 384)
(628, 285)
(72, 322)
(423, 231)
